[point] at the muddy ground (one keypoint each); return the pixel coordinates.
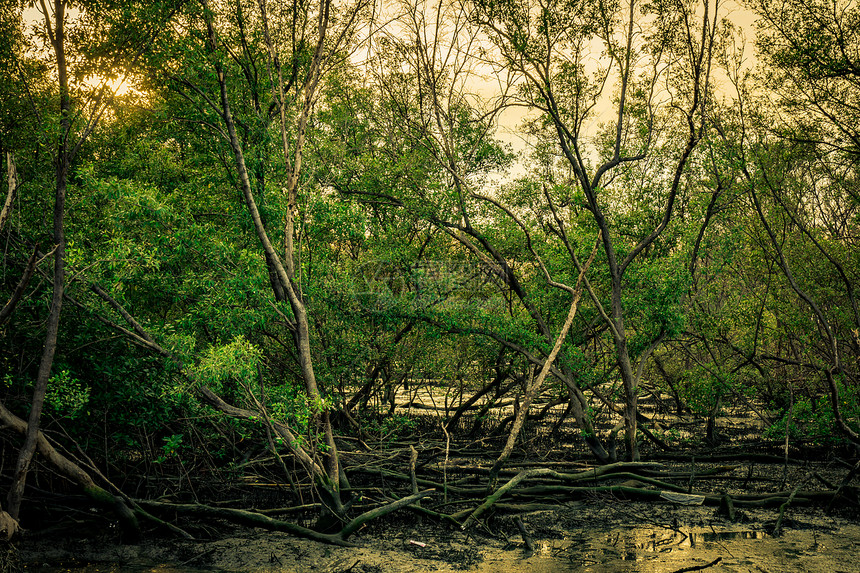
(598, 532)
(601, 534)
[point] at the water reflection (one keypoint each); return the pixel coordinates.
(723, 535)
(642, 549)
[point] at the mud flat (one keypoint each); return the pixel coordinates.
(599, 535)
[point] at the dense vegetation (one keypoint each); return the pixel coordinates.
(239, 230)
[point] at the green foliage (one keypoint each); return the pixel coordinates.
(66, 395)
(398, 246)
(657, 288)
(170, 448)
(700, 389)
(289, 403)
(235, 363)
(810, 418)
(391, 428)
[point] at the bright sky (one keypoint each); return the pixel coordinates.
(33, 15)
(512, 118)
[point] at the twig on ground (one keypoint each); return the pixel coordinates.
(699, 567)
(527, 539)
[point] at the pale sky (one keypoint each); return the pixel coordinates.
(511, 119)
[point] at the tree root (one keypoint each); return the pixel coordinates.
(494, 497)
(127, 517)
(547, 485)
(527, 539)
(255, 519)
(242, 517)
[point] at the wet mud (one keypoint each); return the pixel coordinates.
(599, 535)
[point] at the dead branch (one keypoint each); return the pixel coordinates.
(9, 307)
(699, 567)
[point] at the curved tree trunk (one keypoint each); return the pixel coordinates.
(283, 269)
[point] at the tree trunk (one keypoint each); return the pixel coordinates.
(283, 268)
(534, 384)
(12, 189)
(75, 473)
(25, 456)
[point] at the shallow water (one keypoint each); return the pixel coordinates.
(664, 551)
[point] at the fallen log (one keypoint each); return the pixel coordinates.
(367, 516)
(641, 494)
(384, 472)
(707, 472)
(698, 567)
(421, 510)
(644, 479)
(733, 457)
